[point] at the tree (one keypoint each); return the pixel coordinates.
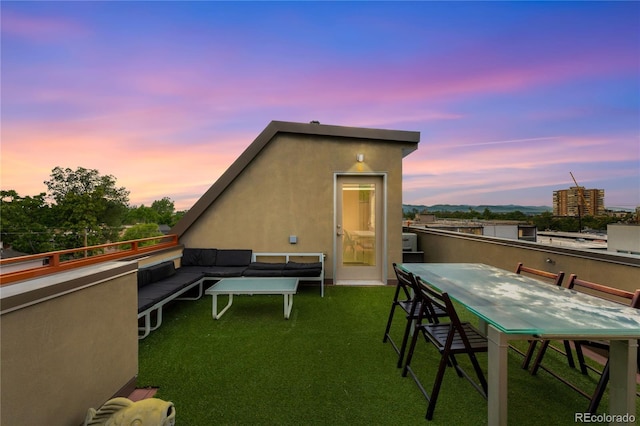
(516, 215)
(177, 216)
(142, 230)
(142, 214)
(161, 212)
(543, 221)
(24, 222)
(164, 208)
(88, 208)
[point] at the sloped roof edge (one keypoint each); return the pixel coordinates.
(408, 137)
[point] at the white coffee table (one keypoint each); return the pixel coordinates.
(231, 286)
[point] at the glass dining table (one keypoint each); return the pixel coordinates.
(515, 307)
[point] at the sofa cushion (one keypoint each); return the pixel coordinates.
(224, 271)
(262, 272)
(190, 257)
(150, 295)
(198, 257)
(303, 265)
(300, 272)
(202, 270)
(177, 282)
(208, 257)
(162, 271)
(145, 303)
(230, 257)
(144, 277)
(188, 277)
(266, 265)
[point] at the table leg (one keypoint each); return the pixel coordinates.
(214, 308)
(482, 327)
(622, 379)
(288, 304)
(497, 380)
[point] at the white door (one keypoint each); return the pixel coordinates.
(359, 229)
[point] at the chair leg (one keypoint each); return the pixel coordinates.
(529, 354)
(405, 339)
(568, 351)
(538, 360)
(580, 356)
(452, 362)
(433, 398)
(389, 321)
(599, 392)
(479, 373)
(412, 347)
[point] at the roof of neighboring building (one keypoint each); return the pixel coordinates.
(314, 128)
(9, 253)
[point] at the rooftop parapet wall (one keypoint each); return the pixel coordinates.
(68, 342)
(619, 271)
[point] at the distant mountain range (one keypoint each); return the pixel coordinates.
(528, 210)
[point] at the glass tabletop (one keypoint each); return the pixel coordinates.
(516, 304)
(255, 285)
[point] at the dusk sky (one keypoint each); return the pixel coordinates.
(509, 97)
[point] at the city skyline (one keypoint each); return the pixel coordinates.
(509, 97)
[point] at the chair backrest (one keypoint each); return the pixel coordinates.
(606, 292)
(430, 297)
(556, 278)
(405, 282)
(348, 237)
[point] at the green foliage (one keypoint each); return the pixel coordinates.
(82, 182)
(164, 208)
(142, 230)
(176, 217)
(24, 222)
(547, 221)
(81, 208)
(161, 212)
(89, 207)
(141, 214)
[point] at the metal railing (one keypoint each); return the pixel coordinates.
(63, 260)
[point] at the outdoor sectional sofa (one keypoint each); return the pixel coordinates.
(162, 283)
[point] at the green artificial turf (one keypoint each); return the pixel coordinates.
(325, 365)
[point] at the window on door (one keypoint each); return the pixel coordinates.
(359, 224)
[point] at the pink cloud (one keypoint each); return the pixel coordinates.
(519, 165)
(149, 170)
(39, 28)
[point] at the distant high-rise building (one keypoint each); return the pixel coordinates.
(578, 201)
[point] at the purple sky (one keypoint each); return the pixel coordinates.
(509, 97)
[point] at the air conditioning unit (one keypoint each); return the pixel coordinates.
(409, 242)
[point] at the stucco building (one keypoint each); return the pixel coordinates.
(310, 187)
